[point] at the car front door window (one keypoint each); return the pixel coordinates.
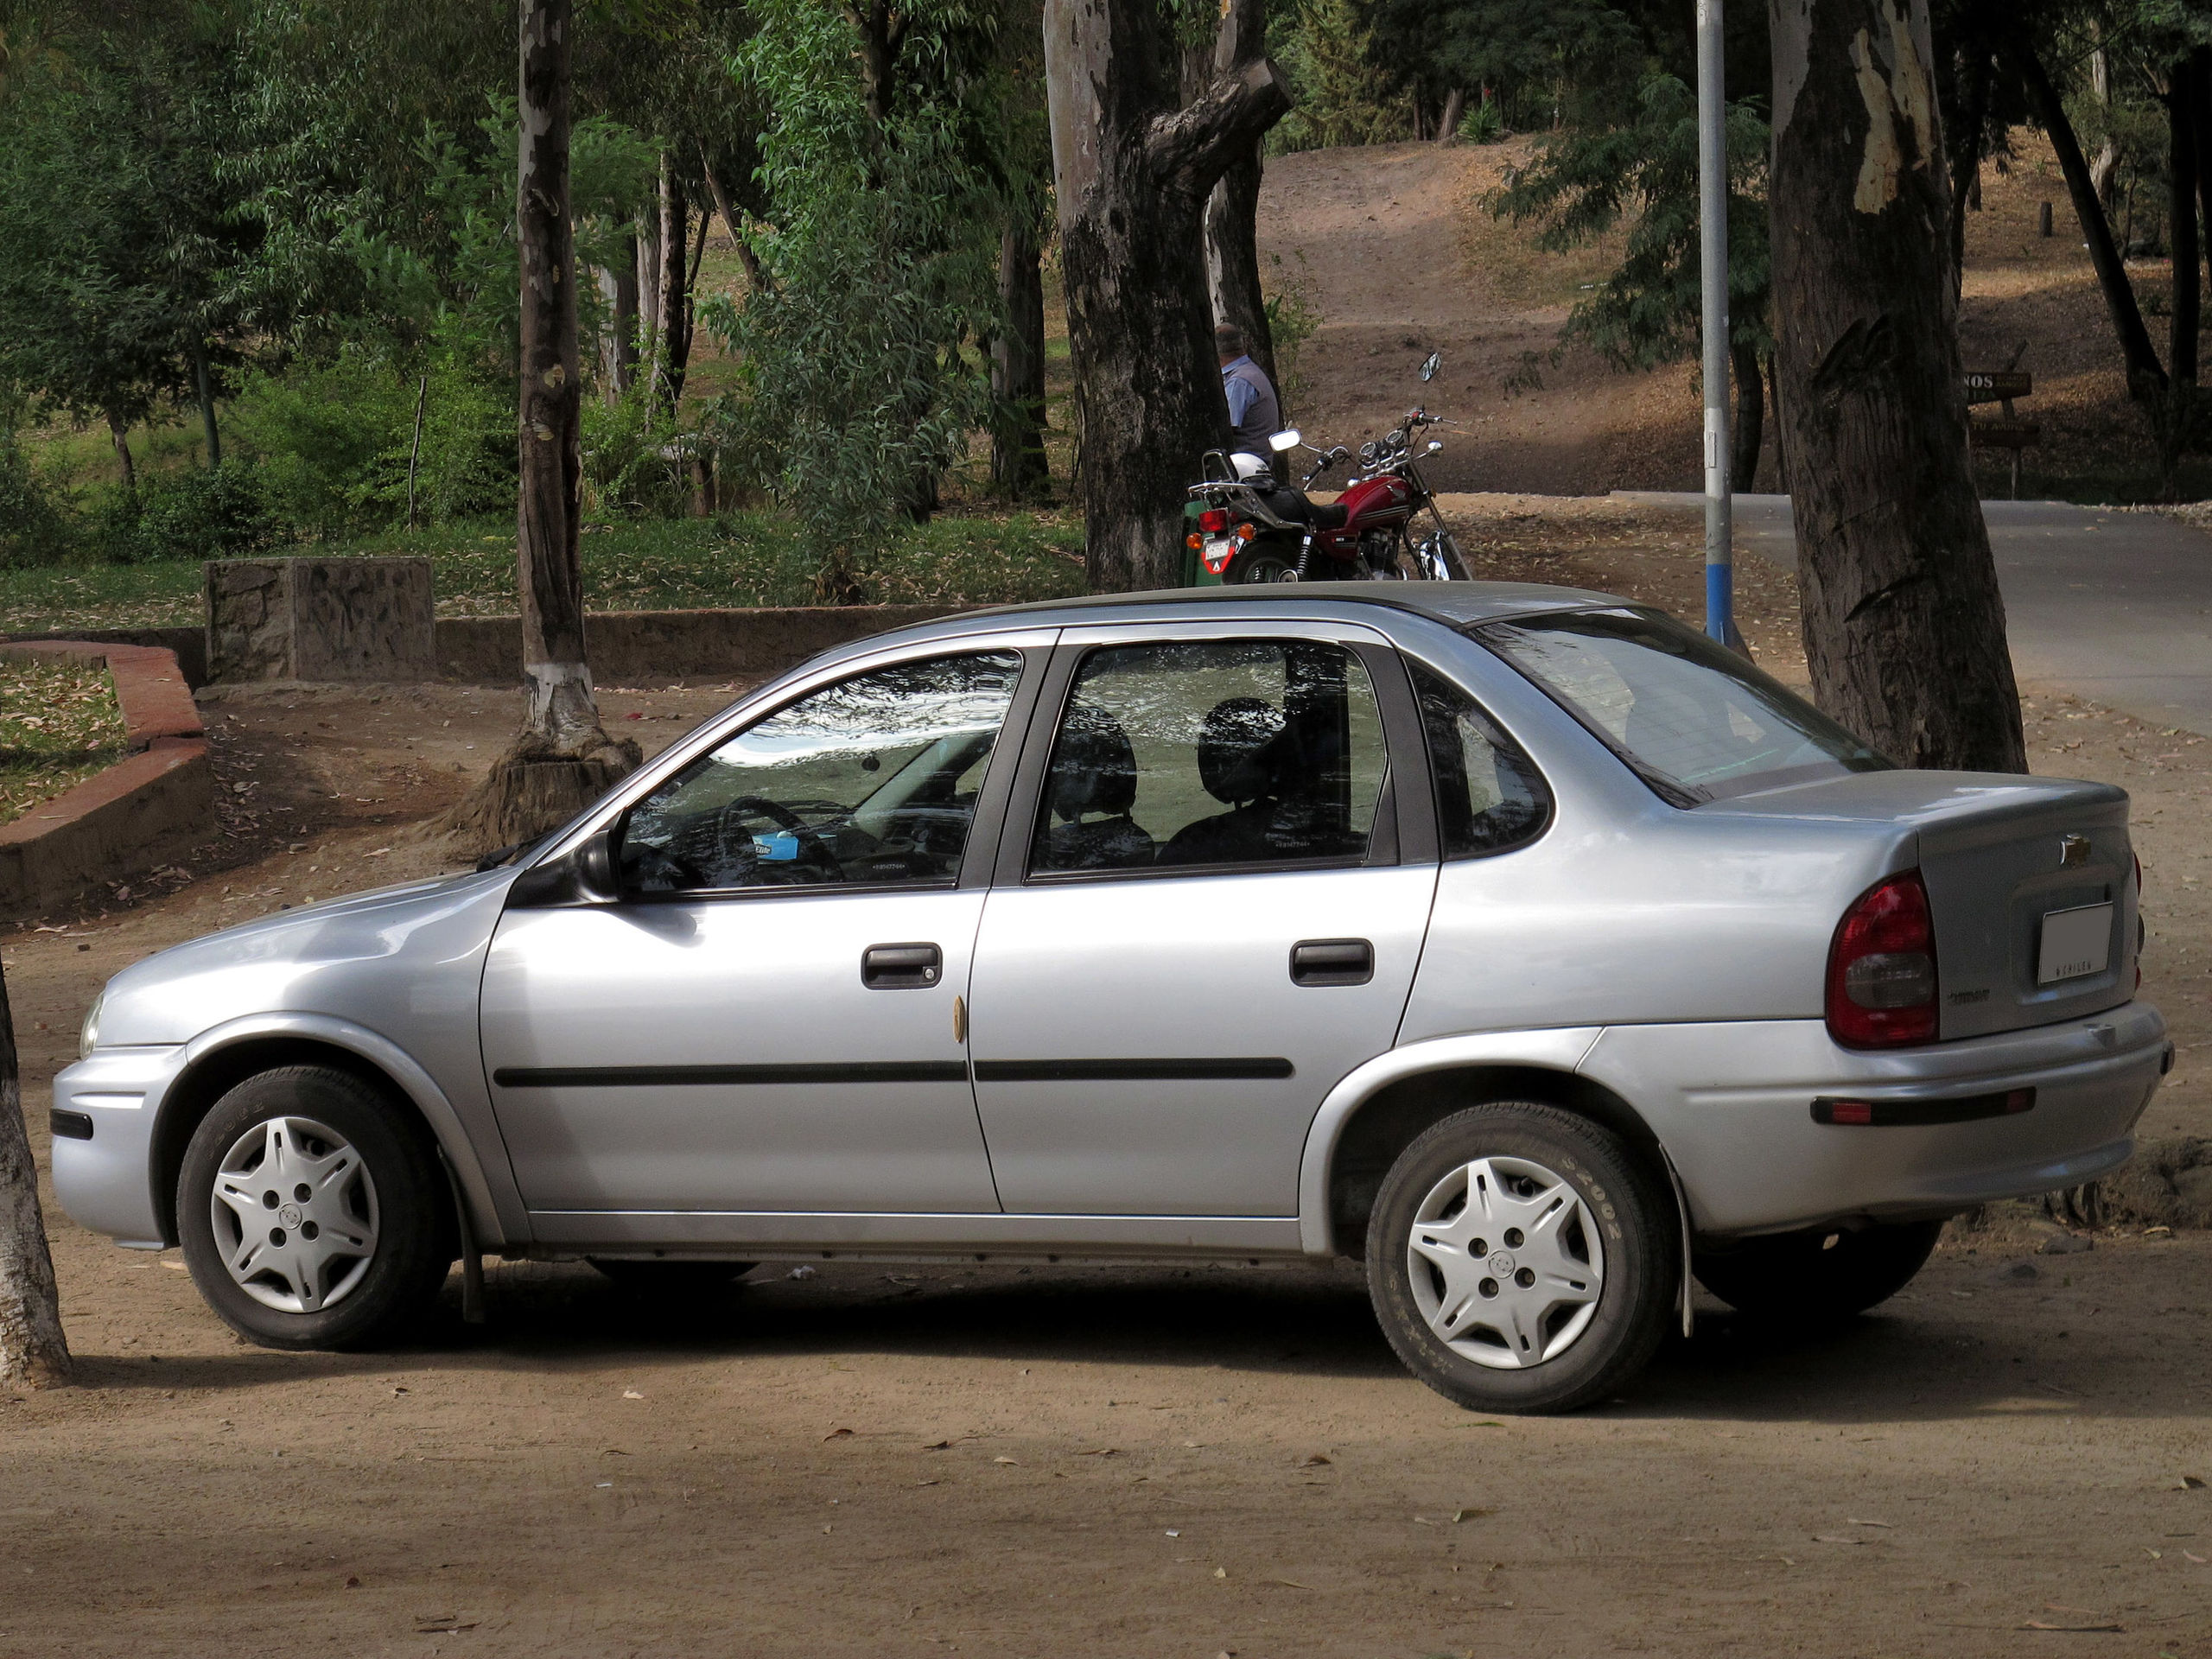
(869, 781)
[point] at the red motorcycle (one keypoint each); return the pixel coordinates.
(1248, 528)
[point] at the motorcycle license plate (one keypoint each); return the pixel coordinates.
(1218, 552)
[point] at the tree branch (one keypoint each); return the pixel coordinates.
(1190, 149)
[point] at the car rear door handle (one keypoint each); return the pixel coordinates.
(1332, 962)
(901, 967)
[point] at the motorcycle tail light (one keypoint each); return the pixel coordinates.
(1213, 521)
(1194, 540)
(1881, 985)
(1246, 532)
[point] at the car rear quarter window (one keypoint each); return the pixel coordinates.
(1694, 720)
(1490, 795)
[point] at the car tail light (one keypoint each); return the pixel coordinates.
(1882, 967)
(1214, 521)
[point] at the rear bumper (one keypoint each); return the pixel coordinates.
(1732, 1105)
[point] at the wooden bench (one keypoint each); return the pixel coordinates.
(2001, 387)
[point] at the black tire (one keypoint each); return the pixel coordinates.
(1262, 562)
(414, 1240)
(1635, 1221)
(671, 1278)
(1823, 1275)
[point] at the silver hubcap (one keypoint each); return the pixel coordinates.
(295, 1215)
(1505, 1262)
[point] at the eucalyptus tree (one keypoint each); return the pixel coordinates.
(33, 1350)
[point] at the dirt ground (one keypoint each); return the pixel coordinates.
(880, 1460)
(1391, 250)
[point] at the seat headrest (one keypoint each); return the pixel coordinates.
(1239, 749)
(1094, 768)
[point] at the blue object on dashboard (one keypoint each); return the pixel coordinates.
(779, 847)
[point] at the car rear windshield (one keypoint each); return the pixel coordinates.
(1694, 720)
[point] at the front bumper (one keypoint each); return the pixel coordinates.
(106, 1182)
(1733, 1106)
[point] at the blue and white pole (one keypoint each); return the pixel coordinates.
(1713, 273)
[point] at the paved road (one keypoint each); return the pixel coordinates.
(2114, 606)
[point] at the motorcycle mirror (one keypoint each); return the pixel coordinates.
(1285, 441)
(1430, 365)
(1434, 446)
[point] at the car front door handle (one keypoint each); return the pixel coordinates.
(901, 967)
(1332, 962)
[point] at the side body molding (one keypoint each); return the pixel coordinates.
(495, 1223)
(1560, 1050)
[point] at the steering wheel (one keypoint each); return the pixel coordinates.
(817, 849)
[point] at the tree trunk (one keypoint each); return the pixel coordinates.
(563, 759)
(622, 355)
(204, 386)
(119, 430)
(1133, 174)
(1018, 465)
(1904, 628)
(1233, 208)
(746, 256)
(2105, 167)
(2181, 99)
(671, 344)
(33, 1352)
(1965, 157)
(2145, 376)
(1751, 415)
(1455, 107)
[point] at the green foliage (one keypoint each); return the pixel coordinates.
(195, 514)
(34, 527)
(1483, 124)
(880, 262)
(1585, 184)
(1541, 65)
(1342, 95)
(119, 241)
(634, 456)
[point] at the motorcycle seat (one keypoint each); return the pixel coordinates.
(1329, 516)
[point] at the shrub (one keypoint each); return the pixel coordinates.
(1484, 124)
(35, 527)
(197, 513)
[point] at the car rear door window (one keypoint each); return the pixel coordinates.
(1190, 754)
(1691, 718)
(869, 781)
(1489, 794)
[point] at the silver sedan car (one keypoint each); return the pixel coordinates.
(1515, 940)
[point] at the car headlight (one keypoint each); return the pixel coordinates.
(89, 1039)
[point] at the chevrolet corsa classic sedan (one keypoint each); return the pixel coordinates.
(1516, 940)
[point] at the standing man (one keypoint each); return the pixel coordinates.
(1255, 414)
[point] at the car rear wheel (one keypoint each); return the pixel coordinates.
(1827, 1274)
(312, 1215)
(671, 1278)
(1519, 1259)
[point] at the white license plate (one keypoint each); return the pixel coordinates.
(2074, 943)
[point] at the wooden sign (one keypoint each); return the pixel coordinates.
(1997, 386)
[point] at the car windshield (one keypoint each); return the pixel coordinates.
(1694, 720)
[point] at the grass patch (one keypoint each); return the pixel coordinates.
(738, 559)
(59, 724)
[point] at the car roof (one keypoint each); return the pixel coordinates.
(1455, 604)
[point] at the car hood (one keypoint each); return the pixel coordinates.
(355, 958)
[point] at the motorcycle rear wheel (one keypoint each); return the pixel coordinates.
(1260, 562)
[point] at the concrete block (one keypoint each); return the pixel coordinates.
(321, 620)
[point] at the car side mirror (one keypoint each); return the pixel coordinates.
(1285, 441)
(1430, 365)
(585, 874)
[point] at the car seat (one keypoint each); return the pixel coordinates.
(1242, 751)
(1094, 773)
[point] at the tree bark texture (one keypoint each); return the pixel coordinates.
(2185, 93)
(1749, 426)
(2145, 375)
(33, 1352)
(1904, 625)
(1233, 208)
(1132, 174)
(1018, 467)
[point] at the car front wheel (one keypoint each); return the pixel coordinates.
(312, 1215)
(1519, 1259)
(1825, 1274)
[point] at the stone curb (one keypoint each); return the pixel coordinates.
(146, 810)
